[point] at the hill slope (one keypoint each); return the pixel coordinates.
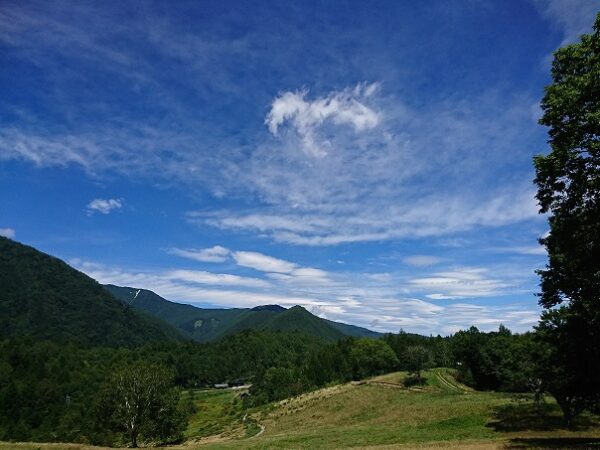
(382, 413)
(211, 324)
(43, 297)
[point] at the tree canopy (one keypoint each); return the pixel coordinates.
(568, 180)
(568, 177)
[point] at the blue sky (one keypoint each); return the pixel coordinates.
(368, 160)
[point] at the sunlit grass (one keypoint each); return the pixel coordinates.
(382, 412)
(378, 413)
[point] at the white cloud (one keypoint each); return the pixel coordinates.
(360, 222)
(572, 17)
(303, 276)
(381, 277)
(422, 260)
(345, 107)
(104, 206)
(221, 279)
(459, 283)
(282, 270)
(212, 254)
(263, 263)
(8, 232)
(525, 250)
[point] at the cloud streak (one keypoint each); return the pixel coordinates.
(460, 283)
(214, 254)
(572, 17)
(104, 206)
(434, 216)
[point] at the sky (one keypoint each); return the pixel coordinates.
(370, 161)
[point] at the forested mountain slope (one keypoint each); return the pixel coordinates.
(43, 297)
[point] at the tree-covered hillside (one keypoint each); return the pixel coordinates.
(43, 297)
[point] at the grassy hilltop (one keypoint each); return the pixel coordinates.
(382, 412)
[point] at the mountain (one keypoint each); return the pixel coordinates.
(212, 324)
(43, 297)
(353, 330)
(200, 324)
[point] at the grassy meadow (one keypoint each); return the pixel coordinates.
(378, 413)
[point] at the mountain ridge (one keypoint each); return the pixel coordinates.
(212, 324)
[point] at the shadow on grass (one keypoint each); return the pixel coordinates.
(524, 416)
(414, 380)
(573, 442)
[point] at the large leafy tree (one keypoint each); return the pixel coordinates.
(568, 180)
(140, 400)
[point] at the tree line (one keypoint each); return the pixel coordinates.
(52, 391)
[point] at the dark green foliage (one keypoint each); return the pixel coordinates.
(345, 360)
(213, 324)
(496, 361)
(370, 357)
(277, 383)
(568, 181)
(42, 297)
(564, 365)
(353, 330)
(294, 319)
(48, 390)
(568, 178)
(140, 401)
(437, 347)
(418, 358)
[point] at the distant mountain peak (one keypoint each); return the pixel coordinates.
(213, 324)
(273, 308)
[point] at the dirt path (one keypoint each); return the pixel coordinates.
(262, 430)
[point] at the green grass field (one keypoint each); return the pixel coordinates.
(379, 413)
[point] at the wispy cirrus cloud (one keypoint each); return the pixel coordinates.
(273, 268)
(104, 205)
(422, 260)
(332, 225)
(263, 263)
(460, 283)
(219, 279)
(213, 254)
(282, 270)
(572, 17)
(523, 250)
